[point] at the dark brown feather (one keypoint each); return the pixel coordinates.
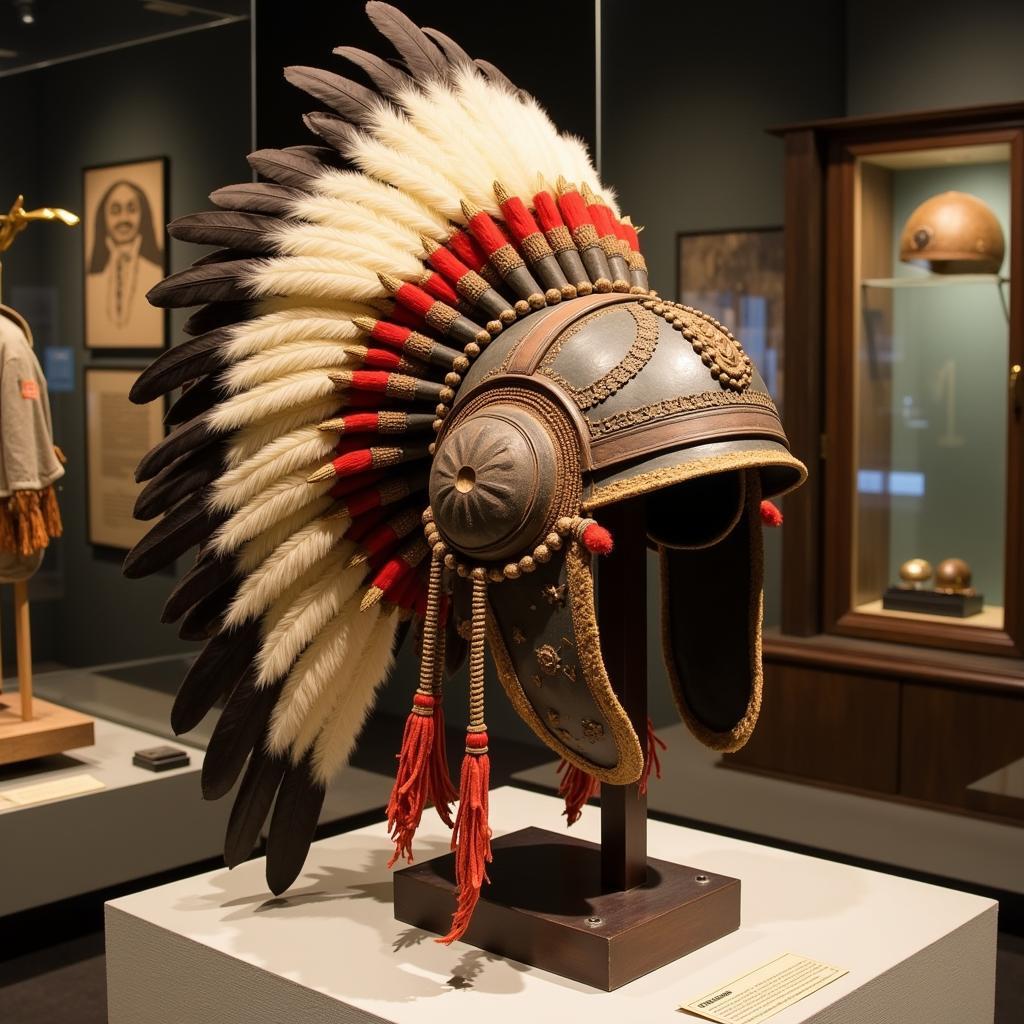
(496, 75)
(215, 672)
(352, 101)
(186, 525)
(293, 825)
(180, 441)
(386, 77)
(220, 314)
(331, 128)
(251, 806)
(203, 578)
(455, 54)
(239, 728)
(192, 472)
(205, 617)
(224, 256)
(193, 358)
(250, 232)
(256, 197)
(421, 56)
(216, 282)
(196, 399)
(297, 169)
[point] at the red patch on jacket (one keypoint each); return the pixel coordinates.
(29, 389)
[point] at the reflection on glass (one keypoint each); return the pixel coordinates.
(931, 399)
(738, 277)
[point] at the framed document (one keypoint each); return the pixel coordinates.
(117, 435)
(124, 210)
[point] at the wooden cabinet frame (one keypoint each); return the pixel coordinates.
(821, 188)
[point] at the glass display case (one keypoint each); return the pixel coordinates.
(923, 512)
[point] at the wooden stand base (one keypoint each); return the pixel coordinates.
(51, 730)
(545, 907)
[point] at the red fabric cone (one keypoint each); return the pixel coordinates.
(472, 839)
(576, 788)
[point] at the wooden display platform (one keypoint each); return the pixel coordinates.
(51, 730)
(545, 907)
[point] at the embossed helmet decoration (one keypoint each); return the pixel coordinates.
(953, 233)
(418, 379)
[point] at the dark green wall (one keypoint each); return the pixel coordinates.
(186, 98)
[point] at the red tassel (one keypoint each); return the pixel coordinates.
(472, 839)
(770, 514)
(652, 761)
(442, 791)
(597, 540)
(576, 788)
(413, 781)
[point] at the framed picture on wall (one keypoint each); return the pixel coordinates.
(124, 213)
(117, 435)
(738, 277)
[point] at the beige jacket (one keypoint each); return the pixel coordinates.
(27, 458)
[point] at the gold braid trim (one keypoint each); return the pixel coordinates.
(585, 236)
(655, 479)
(535, 247)
(472, 286)
(679, 403)
(505, 260)
(441, 317)
(610, 244)
(634, 260)
(644, 343)
(418, 345)
(560, 239)
(391, 422)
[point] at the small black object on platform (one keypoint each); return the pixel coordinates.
(160, 759)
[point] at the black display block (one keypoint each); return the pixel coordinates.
(931, 602)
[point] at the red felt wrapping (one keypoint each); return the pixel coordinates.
(437, 286)
(570, 204)
(363, 524)
(391, 334)
(486, 232)
(447, 263)
(547, 212)
(360, 422)
(629, 233)
(400, 315)
(381, 359)
(467, 250)
(518, 219)
(414, 298)
(353, 462)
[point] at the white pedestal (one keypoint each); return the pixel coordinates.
(216, 950)
(138, 824)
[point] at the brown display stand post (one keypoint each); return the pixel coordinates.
(603, 915)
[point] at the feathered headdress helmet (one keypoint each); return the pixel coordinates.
(426, 353)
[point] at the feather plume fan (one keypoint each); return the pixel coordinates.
(351, 290)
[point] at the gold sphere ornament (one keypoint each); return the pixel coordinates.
(953, 576)
(915, 573)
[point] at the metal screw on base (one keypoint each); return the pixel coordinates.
(701, 879)
(594, 922)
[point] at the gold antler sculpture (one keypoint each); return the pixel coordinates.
(18, 218)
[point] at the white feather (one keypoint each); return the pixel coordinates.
(284, 566)
(303, 323)
(315, 279)
(318, 664)
(327, 590)
(300, 448)
(291, 392)
(355, 219)
(293, 357)
(259, 548)
(364, 249)
(268, 508)
(256, 436)
(384, 200)
(344, 721)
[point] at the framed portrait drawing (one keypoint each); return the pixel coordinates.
(738, 277)
(117, 435)
(124, 210)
